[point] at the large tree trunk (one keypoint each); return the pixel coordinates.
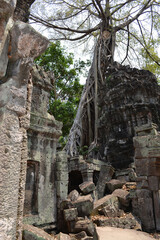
(22, 10)
(84, 131)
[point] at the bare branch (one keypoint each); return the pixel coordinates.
(94, 4)
(143, 47)
(141, 32)
(121, 5)
(71, 16)
(50, 25)
(127, 46)
(70, 39)
(100, 8)
(123, 25)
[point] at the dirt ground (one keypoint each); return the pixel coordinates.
(111, 233)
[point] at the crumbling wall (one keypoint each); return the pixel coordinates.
(43, 133)
(129, 97)
(146, 202)
(19, 45)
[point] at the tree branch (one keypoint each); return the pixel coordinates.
(70, 39)
(50, 25)
(143, 47)
(94, 4)
(127, 46)
(121, 5)
(123, 25)
(101, 9)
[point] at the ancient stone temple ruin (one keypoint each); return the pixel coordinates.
(43, 133)
(19, 45)
(116, 186)
(146, 202)
(130, 98)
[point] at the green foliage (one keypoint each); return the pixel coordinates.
(148, 62)
(83, 150)
(67, 88)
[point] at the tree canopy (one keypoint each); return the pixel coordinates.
(66, 87)
(130, 22)
(133, 26)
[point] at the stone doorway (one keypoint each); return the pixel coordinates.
(75, 179)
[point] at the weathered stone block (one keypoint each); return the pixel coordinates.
(123, 175)
(109, 211)
(123, 197)
(62, 189)
(61, 157)
(73, 195)
(66, 204)
(147, 141)
(127, 221)
(85, 225)
(154, 167)
(84, 205)
(61, 166)
(61, 176)
(143, 207)
(153, 183)
(142, 166)
(114, 184)
(70, 214)
(106, 174)
(109, 200)
(146, 129)
(156, 209)
(87, 187)
(151, 152)
(80, 235)
(34, 233)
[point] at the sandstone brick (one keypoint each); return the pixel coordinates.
(87, 187)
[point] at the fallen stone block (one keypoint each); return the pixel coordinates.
(105, 175)
(73, 195)
(114, 184)
(85, 225)
(80, 235)
(111, 212)
(87, 187)
(66, 204)
(128, 221)
(84, 205)
(70, 214)
(109, 201)
(123, 197)
(33, 233)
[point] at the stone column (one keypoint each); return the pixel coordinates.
(106, 174)
(61, 182)
(87, 175)
(147, 154)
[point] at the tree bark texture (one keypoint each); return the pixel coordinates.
(84, 131)
(22, 10)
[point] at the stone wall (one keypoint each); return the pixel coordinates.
(129, 98)
(146, 203)
(43, 133)
(19, 45)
